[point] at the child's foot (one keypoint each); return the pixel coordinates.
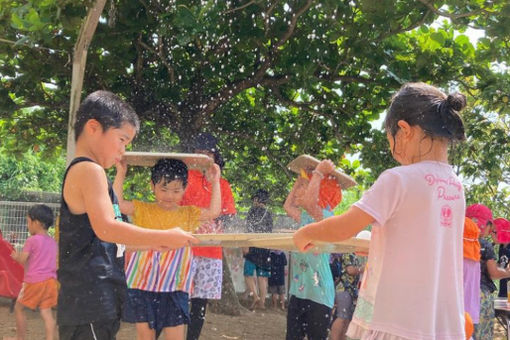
(261, 304)
(256, 300)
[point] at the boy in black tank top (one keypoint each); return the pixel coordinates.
(90, 263)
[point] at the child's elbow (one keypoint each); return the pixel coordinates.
(102, 231)
(216, 214)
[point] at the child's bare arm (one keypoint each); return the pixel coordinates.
(126, 207)
(335, 228)
(290, 205)
(20, 257)
(214, 210)
(86, 191)
(311, 197)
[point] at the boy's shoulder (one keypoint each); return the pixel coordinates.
(85, 173)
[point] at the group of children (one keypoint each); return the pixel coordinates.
(482, 234)
(412, 285)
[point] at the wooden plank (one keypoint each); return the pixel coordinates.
(192, 160)
(308, 163)
(282, 241)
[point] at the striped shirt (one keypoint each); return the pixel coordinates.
(155, 271)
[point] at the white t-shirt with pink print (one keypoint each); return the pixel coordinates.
(412, 287)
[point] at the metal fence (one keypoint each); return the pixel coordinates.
(13, 220)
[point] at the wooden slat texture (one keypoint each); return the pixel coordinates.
(192, 160)
(282, 241)
(308, 163)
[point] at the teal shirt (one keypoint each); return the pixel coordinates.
(311, 274)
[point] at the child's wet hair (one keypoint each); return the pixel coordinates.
(429, 108)
(108, 109)
(41, 213)
(168, 170)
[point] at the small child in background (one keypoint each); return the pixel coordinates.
(490, 271)
(207, 261)
(346, 292)
(503, 237)
(39, 256)
(257, 265)
(276, 281)
(159, 282)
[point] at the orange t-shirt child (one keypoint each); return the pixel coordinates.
(208, 266)
(198, 193)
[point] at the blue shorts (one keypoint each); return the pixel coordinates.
(159, 309)
(250, 268)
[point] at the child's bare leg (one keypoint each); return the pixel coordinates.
(282, 301)
(174, 333)
(250, 281)
(338, 329)
(49, 323)
(263, 291)
(274, 297)
(21, 321)
(144, 332)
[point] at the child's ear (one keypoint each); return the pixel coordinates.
(92, 126)
(405, 128)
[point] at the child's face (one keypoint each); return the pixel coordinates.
(111, 144)
(33, 226)
(168, 194)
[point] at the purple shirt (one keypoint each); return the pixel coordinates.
(42, 258)
(472, 289)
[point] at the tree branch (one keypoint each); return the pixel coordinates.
(234, 89)
(229, 91)
(161, 57)
(292, 25)
(408, 28)
(453, 17)
(241, 7)
(40, 48)
(309, 107)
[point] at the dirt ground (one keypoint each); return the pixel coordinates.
(257, 325)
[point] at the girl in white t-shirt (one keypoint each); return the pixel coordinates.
(412, 287)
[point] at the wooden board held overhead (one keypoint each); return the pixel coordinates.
(282, 241)
(192, 160)
(309, 163)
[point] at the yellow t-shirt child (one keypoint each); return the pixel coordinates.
(156, 271)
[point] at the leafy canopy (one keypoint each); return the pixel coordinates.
(271, 79)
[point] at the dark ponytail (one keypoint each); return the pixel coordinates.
(429, 108)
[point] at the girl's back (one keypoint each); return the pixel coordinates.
(417, 239)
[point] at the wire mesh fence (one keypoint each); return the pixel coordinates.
(13, 220)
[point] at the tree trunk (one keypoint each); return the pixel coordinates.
(229, 302)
